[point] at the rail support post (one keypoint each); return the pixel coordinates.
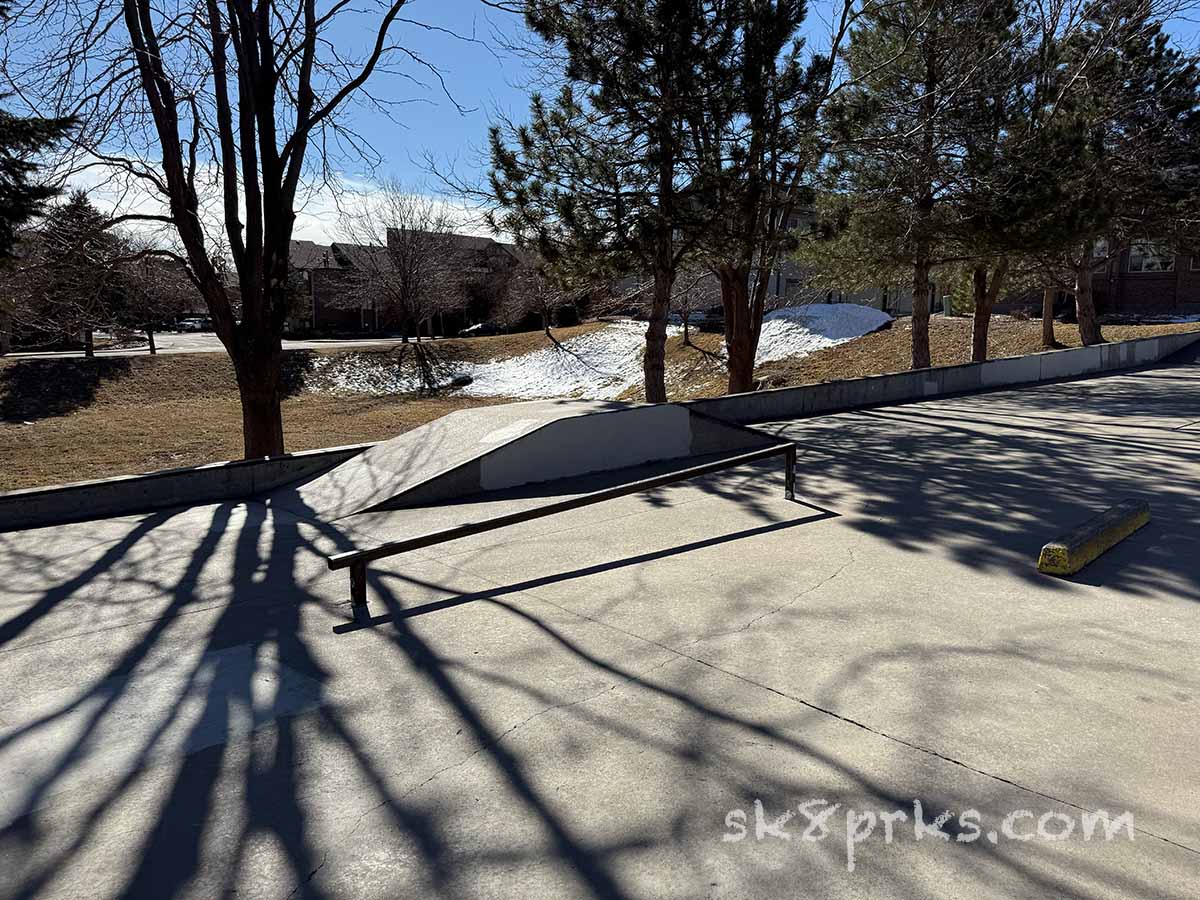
(358, 592)
(789, 475)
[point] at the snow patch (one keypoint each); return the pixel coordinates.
(600, 365)
(797, 331)
(357, 374)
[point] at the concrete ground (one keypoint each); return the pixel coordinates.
(599, 704)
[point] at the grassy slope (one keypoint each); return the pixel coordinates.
(698, 371)
(72, 419)
(65, 420)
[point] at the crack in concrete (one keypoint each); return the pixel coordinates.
(311, 876)
(635, 676)
(498, 739)
(804, 593)
(817, 708)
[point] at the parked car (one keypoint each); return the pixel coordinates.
(195, 323)
(483, 329)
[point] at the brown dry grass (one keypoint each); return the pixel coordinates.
(697, 371)
(74, 419)
(64, 420)
(121, 439)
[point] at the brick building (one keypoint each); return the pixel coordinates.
(325, 277)
(1147, 278)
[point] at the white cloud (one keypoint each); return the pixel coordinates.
(317, 217)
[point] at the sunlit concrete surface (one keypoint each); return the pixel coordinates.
(579, 706)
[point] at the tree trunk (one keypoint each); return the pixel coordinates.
(1048, 296)
(924, 214)
(150, 338)
(982, 315)
(5, 333)
(257, 373)
(920, 315)
(89, 343)
(1085, 307)
(654, 362)
(985, 296)
(739, 341)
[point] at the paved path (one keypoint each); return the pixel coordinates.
(580, 707)
(207, 342)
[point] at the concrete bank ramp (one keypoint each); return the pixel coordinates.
(495, 447)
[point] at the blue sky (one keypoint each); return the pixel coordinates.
(483, 79)
(465, 41)
(478, 73)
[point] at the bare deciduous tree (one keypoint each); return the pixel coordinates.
(405, 260)
(224, 108)
(533, 288)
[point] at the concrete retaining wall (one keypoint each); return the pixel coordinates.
(904, 387)
(133, 494)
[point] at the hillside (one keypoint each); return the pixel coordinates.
(72, 419)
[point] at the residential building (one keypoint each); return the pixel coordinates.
(326, 276)
(1147, 277)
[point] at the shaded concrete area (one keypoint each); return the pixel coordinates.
(578, 706)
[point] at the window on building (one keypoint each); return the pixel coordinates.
(1149, 256)
(1195, 263)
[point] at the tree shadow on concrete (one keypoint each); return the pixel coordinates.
(218, 788)
(991, 478)
(234, 790)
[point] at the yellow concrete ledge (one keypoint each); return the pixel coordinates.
(1068, 555)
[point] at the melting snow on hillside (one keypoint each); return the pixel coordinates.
(800, 330)
(600, 365)
(354, 373)
(603, 364)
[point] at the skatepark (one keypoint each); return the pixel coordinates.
(637, 697)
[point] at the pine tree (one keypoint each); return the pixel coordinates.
(1121, 146)
(21, 139)
(78, 286)
(900, 133)
(756, 147)
(598, 178)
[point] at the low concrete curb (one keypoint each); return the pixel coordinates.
(132, 494)
(1069, 554)
(943, 381)
(243, 479)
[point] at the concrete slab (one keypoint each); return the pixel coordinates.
(591, 706)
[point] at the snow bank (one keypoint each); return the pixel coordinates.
(600, 365)
(800, 330)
